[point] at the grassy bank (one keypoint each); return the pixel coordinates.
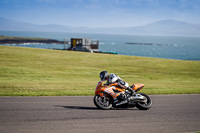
(41, 72)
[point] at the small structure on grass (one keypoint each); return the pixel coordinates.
(83, 44)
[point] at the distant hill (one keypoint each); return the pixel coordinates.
(164, 27)
(7, 24)
(169, 27)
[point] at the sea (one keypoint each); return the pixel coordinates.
(169, 47)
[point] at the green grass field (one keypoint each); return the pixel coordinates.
(42, 72)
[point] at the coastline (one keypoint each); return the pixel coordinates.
(178, 48)
(19, 40)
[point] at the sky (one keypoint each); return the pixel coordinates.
(100, 13)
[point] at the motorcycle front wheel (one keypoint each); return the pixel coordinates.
(145, 104)
(103, 102)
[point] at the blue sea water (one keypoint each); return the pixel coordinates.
(181, 48)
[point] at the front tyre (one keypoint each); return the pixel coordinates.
(103, 102)
(144, 104)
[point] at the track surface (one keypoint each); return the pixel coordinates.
(169, 113)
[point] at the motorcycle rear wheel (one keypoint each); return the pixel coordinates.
(146, 104)
(102, 102)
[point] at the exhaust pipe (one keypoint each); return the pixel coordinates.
(136, 97)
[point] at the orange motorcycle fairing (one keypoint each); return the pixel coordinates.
(109, 89)
(137, 87)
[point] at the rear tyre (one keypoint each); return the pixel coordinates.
(145, 104)
(103, 102)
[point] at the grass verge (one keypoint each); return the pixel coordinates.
(42, 72)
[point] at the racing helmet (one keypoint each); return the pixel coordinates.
(103, 75)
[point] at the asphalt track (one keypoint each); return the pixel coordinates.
(169, 113)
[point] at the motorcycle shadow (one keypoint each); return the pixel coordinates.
(77, 107)
(93, 108)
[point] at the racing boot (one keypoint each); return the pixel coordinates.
(131, 90)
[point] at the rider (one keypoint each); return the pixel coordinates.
(113, 78)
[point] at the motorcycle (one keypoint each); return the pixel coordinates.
(109, 96)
